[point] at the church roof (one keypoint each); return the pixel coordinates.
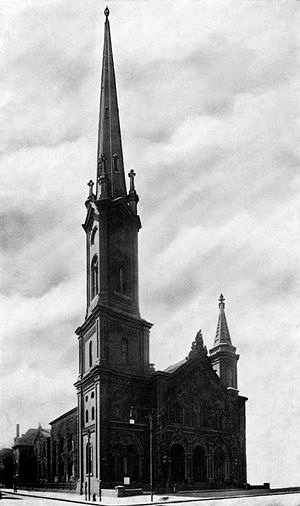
(110, 156)
(174, 367)
(222, 333)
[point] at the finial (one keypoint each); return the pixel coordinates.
(198, 347)
(90, 184)
(222, 301)
(131, 175)
(106, 12)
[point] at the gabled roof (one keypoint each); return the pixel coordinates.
(174, 367)
(64, 415)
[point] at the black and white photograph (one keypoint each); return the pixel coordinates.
(150, 252)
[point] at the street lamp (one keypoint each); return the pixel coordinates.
(150, 418)
(151, 453)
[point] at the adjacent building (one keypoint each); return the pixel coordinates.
(31, 457)
(64, 458)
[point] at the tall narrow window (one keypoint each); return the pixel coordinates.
(87, 416)
(90, 353)
(121, 280)
(94, 276)
(89, 458)
(93, 413)
(93, 235)
(116, 162)
(124, 350)
(122, 285)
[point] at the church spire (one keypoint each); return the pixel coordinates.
(110, 168)
(223, 355)
(222, 333)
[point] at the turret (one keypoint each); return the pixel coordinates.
(223, 355)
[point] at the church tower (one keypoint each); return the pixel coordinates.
(114, 339)
(223, 354)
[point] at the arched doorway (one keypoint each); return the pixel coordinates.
(177, 463)
(219, 464)
(199, 464)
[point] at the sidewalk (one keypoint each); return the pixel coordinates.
(107, 497)
(139, 500)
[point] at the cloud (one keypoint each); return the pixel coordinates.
(50, 60)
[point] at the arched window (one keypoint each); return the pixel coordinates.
(116, 162)
(175, 411)
(93, 413)
(90, 353)
(94, 276)
(230, 378)
(89, 458)
(93, 235)
(86, 416)
(124, 350)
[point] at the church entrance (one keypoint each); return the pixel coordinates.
(177, 463)
(219, 464)
(199, 464)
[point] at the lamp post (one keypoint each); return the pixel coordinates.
(151, 454)
(150, 418)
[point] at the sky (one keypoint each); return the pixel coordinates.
(209, 105)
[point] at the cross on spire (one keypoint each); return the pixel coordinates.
(222, 333)
(222, 301)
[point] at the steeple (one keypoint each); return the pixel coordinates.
(110, 167)
(222, 333)
(223, 355)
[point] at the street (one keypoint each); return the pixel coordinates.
(292, 499)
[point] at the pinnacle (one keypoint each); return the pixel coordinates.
(222, 333)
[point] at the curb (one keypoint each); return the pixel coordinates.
(195, 499)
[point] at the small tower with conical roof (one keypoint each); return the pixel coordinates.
(223, 355)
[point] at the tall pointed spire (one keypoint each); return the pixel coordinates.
(222, 333)
(110, 168)
(223, 355)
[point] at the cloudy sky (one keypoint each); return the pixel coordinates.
(209, 102)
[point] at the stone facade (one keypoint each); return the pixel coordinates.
(190, 416)
(64, 448)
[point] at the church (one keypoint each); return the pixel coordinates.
(184, 425)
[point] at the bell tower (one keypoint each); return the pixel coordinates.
(223, 355)
(114, 339)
